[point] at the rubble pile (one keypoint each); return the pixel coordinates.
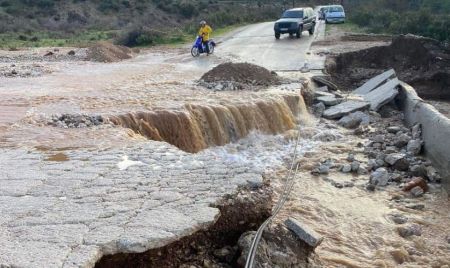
(238, 76)
(75, 120)
(393, 151)
(24, 70)
(107, 52)
(373, 95)
(422, 62)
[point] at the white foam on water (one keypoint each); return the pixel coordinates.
(262, 152)
(126, 163)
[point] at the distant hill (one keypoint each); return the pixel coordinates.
(39, 19)
(74, 15)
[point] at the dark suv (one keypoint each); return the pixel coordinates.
(295, 21)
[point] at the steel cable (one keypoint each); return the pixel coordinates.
(287, 189)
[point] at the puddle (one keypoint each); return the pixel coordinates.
(59, 157)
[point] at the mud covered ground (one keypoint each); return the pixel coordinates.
(421, 62)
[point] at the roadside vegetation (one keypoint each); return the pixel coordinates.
(150, 22)
(430, 18)
(126, 22)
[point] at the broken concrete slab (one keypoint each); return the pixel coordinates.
(382, 95)
(374, 83)
(303, 232)
(345, 108)
(325, 80)
(318, 94)
(73, 219)
(329, 100)
(322, 89)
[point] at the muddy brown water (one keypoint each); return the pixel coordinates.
(356, 225)
(59, 157)
(202, 126)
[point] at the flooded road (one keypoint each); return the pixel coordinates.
(357, 225)
(158, 78)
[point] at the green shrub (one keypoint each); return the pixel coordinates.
(138, 36)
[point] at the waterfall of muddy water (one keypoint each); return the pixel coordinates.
(201, 126)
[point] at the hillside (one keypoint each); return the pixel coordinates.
(430, 18)
(147, 22)
(37, 20)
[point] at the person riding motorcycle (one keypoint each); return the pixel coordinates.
(205, 32)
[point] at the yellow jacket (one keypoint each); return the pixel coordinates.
(204, 32)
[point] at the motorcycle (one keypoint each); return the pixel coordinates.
(199, 48)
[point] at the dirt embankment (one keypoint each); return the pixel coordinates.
(242, 73)
(107, 52)
(422, 62)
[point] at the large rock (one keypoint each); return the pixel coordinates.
(345, 108)
(318, 109)
(374, 83)
(402, 140)
(303, 232)
(398, 161)
(353, 120)
(379, 177)
(409, 230)
(382, 95)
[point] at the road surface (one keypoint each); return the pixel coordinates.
(256, 44)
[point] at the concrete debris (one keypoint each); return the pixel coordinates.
(329, 100)
(379, 177)
(318, 109)
(345, 108)
(322, 89)
(414, 147)
(351, 157)
(326, 81)
(417, 131)
(346, 168)
(402, 140)
(303, 232)
(382, 95)
(76, 120)
(355, 166)
(418, 170)
(394, 129)
(432, 174)
(224, 85)
(353, 120)
(362, 170)
(319, 93)
(324, 169)
(398, 161)
(374, 83)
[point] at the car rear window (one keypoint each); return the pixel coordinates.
(335, 9)
(292, 14)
